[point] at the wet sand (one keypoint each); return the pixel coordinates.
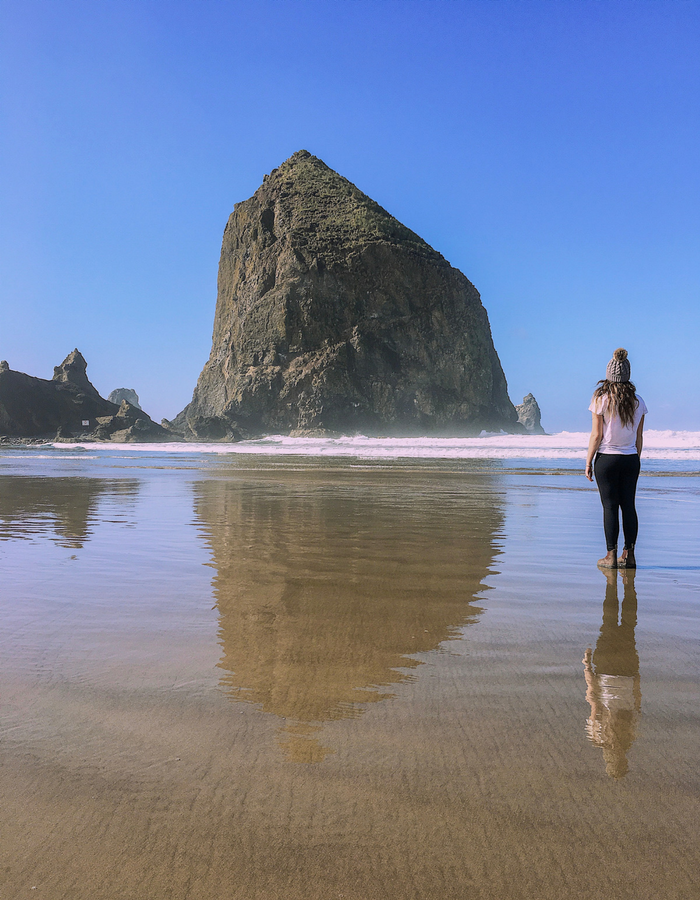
(255, 679)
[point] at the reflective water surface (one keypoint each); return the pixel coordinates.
(612, 676)
(65, 508)
(255, 678)
(327, 591)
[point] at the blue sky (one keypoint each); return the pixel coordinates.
(550, 150)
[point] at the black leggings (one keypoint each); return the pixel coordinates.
(616, 476)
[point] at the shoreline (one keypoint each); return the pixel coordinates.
(665, 453)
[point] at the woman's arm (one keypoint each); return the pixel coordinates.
(593, 443)
(640, 439)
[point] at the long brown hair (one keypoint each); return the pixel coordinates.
(622, 398)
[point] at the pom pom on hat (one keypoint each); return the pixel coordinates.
(619, 366)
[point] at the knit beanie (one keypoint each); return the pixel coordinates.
(619, 366)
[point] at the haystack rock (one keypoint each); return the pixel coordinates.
(128, 394)
(529, 415)
(332, 316)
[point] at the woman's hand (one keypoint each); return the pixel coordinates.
(640, 439)
(593, 443)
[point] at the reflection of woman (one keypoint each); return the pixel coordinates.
(612, 678)
(616, 443)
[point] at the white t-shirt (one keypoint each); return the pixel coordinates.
(618, 438)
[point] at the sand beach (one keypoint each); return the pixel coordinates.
(309, 672)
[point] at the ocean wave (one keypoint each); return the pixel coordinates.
(80, 456)
(658, 445)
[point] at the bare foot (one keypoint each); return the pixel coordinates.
(627, 560)
(609, 561)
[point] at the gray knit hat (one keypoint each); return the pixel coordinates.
(619, 366)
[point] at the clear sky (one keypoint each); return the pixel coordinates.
(550, 149)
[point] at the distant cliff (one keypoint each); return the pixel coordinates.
(128, 394)
(333, 316)
(68, 406)
(31, 407)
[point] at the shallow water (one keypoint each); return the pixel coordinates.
(262, 677)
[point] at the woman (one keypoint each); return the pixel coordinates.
(616, 443)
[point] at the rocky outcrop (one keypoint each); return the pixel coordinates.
(73, 371)
(31, 407)
(128, 394)
(333, 316)
(529, 415)
(68, 407)
(130, 424)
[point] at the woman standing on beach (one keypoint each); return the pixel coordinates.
(616, 443)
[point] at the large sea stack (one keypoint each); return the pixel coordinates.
(332, 316)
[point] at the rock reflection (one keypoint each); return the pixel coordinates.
(327, 590)
(61, 508)
(612, 677)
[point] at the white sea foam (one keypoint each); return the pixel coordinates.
(31, 455)
(658, 445)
